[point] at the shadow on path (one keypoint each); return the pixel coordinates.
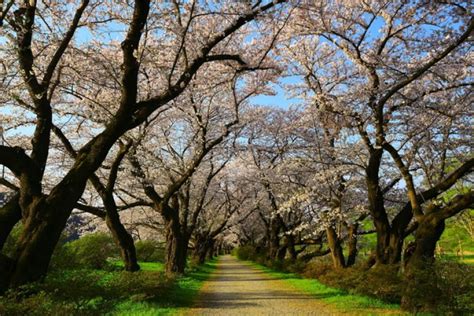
(238, 289)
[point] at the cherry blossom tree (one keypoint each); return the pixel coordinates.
(373, 67)
(162, 48)
(199, 123)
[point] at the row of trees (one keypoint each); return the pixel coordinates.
(109, 108)
(65, 73)
(381, 108)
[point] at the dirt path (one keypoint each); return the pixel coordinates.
(238, 289)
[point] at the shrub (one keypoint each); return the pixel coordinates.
(91, 251)
(382, 282)
(446, 287)
(297, 266)
(246, 252)
(456, 284)
(149, 251)
(317, 267)
(84, 292)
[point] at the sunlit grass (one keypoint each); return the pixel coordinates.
(144, 266)
(176, 299)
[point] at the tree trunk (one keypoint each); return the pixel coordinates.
(41, 232)
(6, 268)
(275, 227)
(282, 253)
(202, 252)
(291, 247)
(427, 235)
(352, 245)
(397, 234)
(176, 247)
(201, 248)
(210, 252)
(394, 248)
(336, 248)
(273, 247)
(204, 245)
(123, 240)
(10, 215)
(376, 206)
(45, 216)
(418, 273)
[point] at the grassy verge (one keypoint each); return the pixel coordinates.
(176, 299)
(339, 299)
(144, 266)
(466, 258)
(100, 292)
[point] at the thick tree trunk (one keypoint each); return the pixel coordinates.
(210, 252)
(204, 247)
(352, 245)
(336, 248)
(281, 255)
(123, 240)
(291, 247)
(45, 216)
(274, 246)
(376, 206)
(275, 228)
(176, 247)
(41, 232)
(10, 215)
(201, 248)
(394, 249)
(397, 235)
(6, 269)
(389, 245)
(418, 273)
(202, 252)
(427, 235)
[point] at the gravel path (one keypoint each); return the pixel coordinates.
(239, 289)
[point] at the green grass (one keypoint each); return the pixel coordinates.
(465, 259)
(100, 292)
(144, 266)
(174, 301)
(341, 300)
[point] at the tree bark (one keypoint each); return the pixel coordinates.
(427, 235)
(291, 247)
(376, 206)
(123, 240)
(275, 228)
(336, 248)
(281, 254)
(202, 253)
(210, 253)
(37, 242)
(6, 268)
(10, 215)
(352, 244)
(418, 274)
(202, 249)
(176, 247)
